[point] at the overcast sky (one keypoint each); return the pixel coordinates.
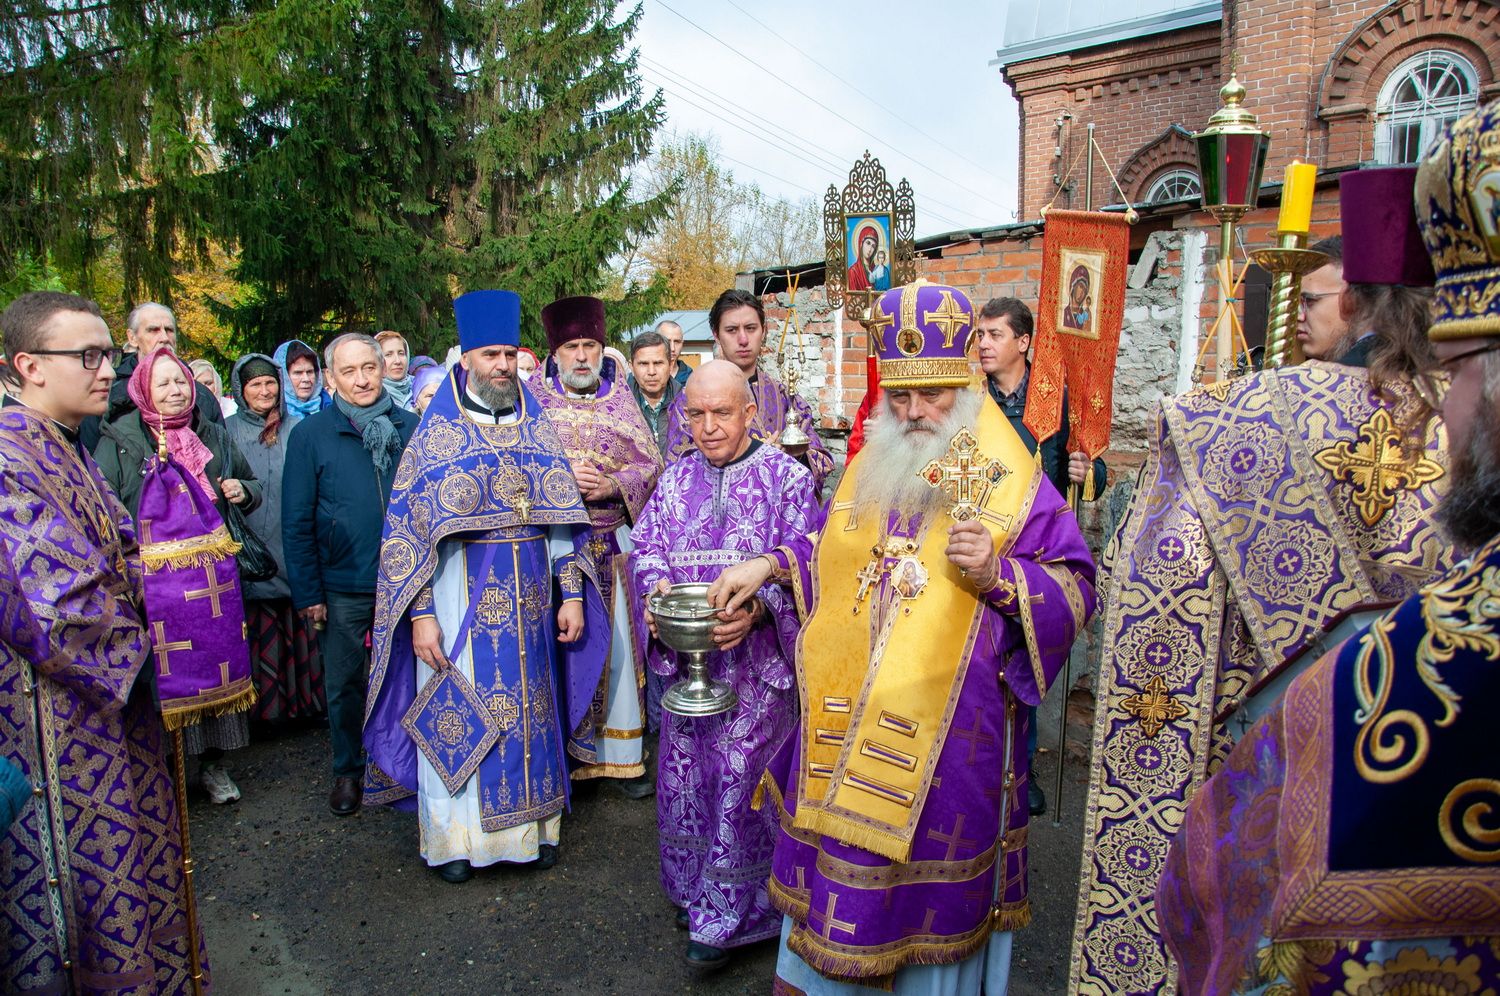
(920, 95)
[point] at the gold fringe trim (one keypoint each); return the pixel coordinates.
(1012, 917)
(200, 551)
(758, 797)
(864, 969)
(609, 771)
(180, 717)
(846, 831)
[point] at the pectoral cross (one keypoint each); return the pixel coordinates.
(162, 647)
(213, 592)
(964, 475)
(868, 576)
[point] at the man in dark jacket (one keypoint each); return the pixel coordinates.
(339, 466)
(149, 326)
(1003, 332)
(652, 383)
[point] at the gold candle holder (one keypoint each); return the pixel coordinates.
(1288, 261)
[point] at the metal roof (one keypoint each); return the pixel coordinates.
(694, 324)
(1036, 28)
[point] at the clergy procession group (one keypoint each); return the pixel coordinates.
(459, 562)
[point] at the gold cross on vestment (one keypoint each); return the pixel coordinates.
(974, 736)
(926, 926)
(1154, 707)
(827, 916)
(213, 592)
(955, 840)
(1376, 468)
(162, 647)
(949, 316)
(964, 475)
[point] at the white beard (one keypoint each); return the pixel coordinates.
(887, 478)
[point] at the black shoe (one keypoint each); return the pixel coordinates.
(639, 787)
(546, 857)
(456, 872)
(346, 796)
(682, 920)
(1036, 799)
(705, 957)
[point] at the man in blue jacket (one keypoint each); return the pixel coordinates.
(339, 466)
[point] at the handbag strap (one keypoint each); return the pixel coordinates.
(484, 572)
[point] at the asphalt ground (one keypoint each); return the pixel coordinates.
(295, 900)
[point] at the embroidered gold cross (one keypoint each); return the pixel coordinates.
(964, 475)
(954, 840)
(1375, 468)
(948, 316)
(829, 923)
(212, 592)
(1154, 707)
(162, 648)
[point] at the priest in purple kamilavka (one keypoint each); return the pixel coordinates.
(92, 895)
(943, 594)
(725, 502)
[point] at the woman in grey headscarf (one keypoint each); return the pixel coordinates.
(284, 659)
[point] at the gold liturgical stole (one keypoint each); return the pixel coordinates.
(878, 705)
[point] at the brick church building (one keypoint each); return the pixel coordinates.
(1338, 83)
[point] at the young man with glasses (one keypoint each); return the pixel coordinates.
(1322, 330)
(76, 696)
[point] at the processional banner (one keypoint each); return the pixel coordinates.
(193, 601)
(1082, 306)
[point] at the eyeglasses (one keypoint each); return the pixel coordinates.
(90, 358)
(1308, 300)
(1432, 385)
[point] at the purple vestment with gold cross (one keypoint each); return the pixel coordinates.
(91, 882)
(1349, 843)
(716, 851)
(1270, 506)
(901, 798)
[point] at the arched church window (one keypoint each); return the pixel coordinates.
(1174, 185)
(1422, 96)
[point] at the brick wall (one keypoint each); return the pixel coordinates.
(1313, 69)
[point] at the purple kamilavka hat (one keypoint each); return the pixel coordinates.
(1382, 243)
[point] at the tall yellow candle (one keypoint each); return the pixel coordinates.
(1297, 197)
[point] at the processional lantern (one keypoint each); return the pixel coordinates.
(1231, 158)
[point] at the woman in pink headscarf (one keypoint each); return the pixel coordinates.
(161, 388)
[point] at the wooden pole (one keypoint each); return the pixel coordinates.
(195, 963)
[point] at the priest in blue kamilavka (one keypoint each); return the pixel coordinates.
(490, 637)
(614, 459)
(1350, 843)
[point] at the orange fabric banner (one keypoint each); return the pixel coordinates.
(1084, 258)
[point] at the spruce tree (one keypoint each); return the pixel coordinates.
(106, 115)
(456, 146)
